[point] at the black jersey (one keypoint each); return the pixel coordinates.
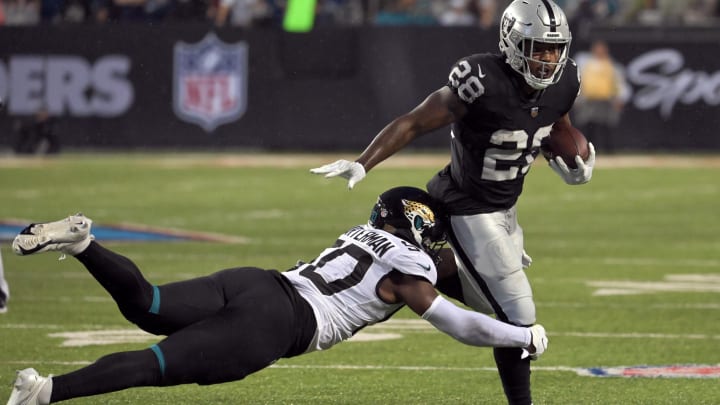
(495, 143)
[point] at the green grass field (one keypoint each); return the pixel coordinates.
(626, 272)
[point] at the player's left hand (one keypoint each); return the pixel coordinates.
(582, 174)
(526, 259)
(352, 171)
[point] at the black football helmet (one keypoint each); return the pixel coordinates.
(411, 214)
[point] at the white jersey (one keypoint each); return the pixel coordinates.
(341, 284)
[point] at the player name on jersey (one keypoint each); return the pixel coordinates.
(377, 242)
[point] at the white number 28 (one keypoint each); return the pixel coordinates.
(468, 87)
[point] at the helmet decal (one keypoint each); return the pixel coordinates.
(551, 15)
(506, 24)
(419, 214)
(407, 212)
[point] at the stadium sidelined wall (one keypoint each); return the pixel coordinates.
(185, 86)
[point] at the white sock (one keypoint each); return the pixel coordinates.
(45, 392)
(79, 247)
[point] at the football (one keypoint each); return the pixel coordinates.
(566, 142)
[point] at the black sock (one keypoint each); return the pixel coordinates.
(121, 278)
(110, 373)
(514, 374)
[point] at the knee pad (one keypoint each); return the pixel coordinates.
(514, 295)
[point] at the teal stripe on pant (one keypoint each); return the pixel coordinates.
(155, 306)
(160, 357)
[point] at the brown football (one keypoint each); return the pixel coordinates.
(566, 142)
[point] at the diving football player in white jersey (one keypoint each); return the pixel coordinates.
(235, 322)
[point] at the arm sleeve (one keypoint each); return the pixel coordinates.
(474, 328)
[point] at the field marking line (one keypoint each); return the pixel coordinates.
(407, 159)
(390, 329)
(670, 371)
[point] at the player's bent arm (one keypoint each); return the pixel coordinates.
(583, 173)
(439, 109)
(468, 327)
(564, 121)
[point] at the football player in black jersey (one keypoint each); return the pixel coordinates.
(500, 107)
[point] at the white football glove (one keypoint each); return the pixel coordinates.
(582, 174)
(538, 341)
(352, 171)
(526, 260)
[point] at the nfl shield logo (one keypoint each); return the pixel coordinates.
(210, 82)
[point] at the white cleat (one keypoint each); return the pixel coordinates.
(70, 235)
(27, 388)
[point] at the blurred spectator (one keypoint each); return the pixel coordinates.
(588, 12)
(676, 12)
(459, 13)
(20, 12)
(241, 13)
(405, 12)
(700, 12)
(487, 11)
(603, 93)
(76, 11)
(51, 11)
(119, 10)
(158, 10)
(339, 12)
(190, 10)
(37, 136)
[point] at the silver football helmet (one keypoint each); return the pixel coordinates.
(524, 25)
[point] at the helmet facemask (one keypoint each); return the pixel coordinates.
(551, 71)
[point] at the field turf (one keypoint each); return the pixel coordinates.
(626, 273)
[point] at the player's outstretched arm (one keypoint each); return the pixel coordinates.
(439, 109)
(468, 327)
(352, 171)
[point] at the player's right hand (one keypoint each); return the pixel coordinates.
(584, 170)
(352, 171)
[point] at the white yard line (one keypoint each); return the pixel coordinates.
(392, 325)
(685, 371)
(309, 160)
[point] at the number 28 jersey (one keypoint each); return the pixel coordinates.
(495, 143)
(341, 285)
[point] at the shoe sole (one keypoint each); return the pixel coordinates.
(31, 395)
(43, 235)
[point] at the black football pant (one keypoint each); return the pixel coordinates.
(219, 328)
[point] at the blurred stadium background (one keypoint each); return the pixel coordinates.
(166, 75)
(202, 118)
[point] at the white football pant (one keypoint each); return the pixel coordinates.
(488, 249)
